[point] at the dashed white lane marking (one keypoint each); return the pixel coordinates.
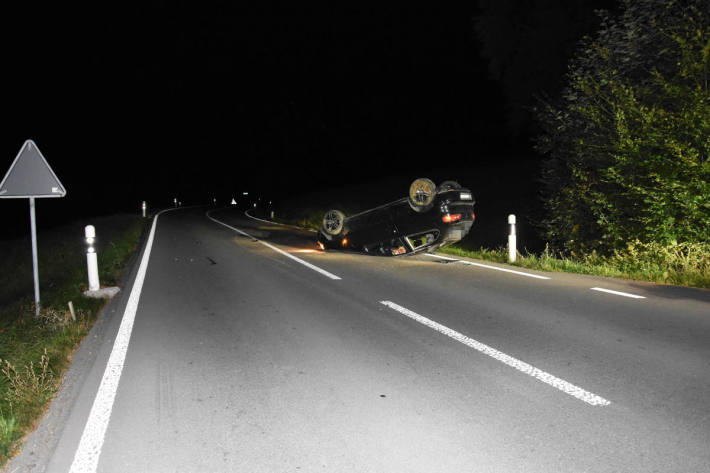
(555, 382)
(268, 245)
(618, 293)
(471, 263)
(86, 458)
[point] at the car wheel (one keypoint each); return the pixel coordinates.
(421, 194)
(333, 221)
(448, 186)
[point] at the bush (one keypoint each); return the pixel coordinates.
(683, 263)
(627, 144)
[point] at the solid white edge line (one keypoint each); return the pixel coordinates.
(229, 226)
(547, 378)
(268, 245)
(471, 263)
(618, 293)
(86, 457)
(246, 212)
(305, 263)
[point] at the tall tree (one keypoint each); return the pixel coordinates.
(628, 142)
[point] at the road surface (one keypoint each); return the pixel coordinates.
(250, 351)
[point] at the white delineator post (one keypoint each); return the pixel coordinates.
(512, 243)
(144, 207)
(91, 262)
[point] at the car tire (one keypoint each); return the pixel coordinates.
(448, 186)
(421, 194)
(333, 222)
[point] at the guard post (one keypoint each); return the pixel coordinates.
(91, 261)
(512, 240)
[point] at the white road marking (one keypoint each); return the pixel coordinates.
(246, 212)
(562, 385)
(86, 458)
(471, 263)
(229, 226)
(268, 245)
(618, 293)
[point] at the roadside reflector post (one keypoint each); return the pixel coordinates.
(144, 207)
(512, 243)
(71, 311)
(272, 215)
(175, 202)
(91, 262)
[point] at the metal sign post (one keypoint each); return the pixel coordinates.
(31, 177)
(35, 270)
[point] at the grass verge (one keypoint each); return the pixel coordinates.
(35, 351)
(682, 264)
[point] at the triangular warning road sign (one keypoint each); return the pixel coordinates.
(30, 176)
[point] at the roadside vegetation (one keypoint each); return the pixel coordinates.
(684, 265)
(35, 351)
(627, 168)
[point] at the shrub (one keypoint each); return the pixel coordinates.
(627, 144)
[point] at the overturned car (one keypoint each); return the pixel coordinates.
(428, 218)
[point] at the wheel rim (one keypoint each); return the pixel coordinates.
(421, 192)
(332, 222)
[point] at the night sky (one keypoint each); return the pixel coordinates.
(202, 99)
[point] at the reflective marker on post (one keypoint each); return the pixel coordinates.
(144, 206)
(91, 262)
(512, 243)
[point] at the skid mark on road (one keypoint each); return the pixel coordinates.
(547, 378)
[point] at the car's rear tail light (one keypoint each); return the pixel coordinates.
(473, 216)
(449, 218)
(344, 242)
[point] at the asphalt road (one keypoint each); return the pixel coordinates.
(244, 359)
